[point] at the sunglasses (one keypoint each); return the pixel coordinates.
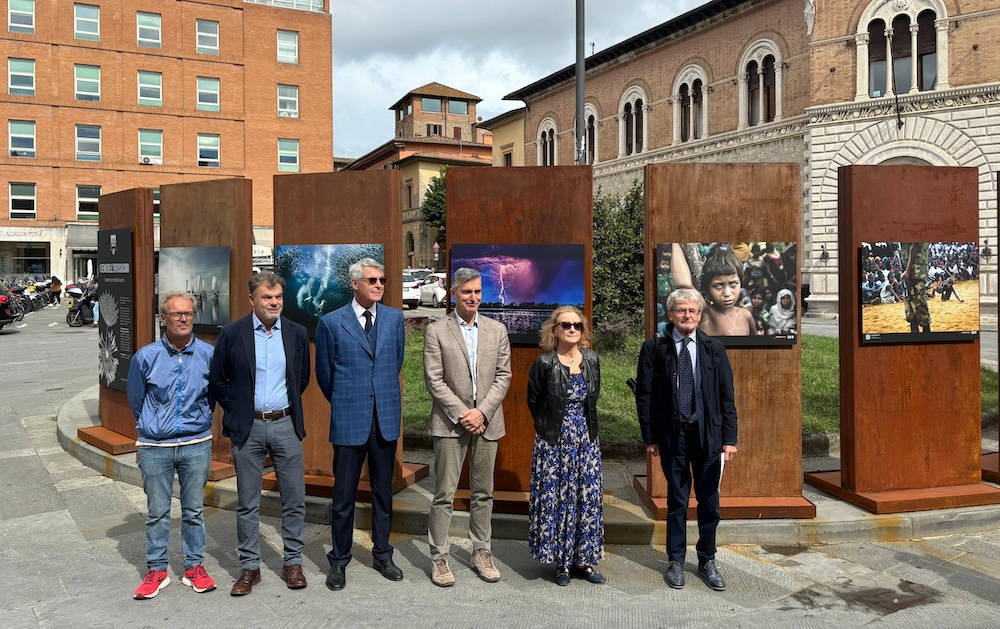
(373, 280)
(576, 325)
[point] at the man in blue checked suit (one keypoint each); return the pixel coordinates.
(359, 354)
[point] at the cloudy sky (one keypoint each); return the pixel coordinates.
(382, 50)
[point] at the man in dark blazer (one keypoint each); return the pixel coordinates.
(359, 354)
(684, 397)
(259, 370)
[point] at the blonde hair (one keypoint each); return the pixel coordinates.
(549, 341)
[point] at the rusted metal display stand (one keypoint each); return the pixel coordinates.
(128, 209)
(907, 443)
(329, 209)
(733, 203)
(991, 467)
(532, 205)
(216, 213)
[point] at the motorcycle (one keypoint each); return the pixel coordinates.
(82, 312)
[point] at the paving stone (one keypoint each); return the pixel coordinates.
(25, 488)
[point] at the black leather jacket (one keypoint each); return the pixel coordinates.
(548, 383)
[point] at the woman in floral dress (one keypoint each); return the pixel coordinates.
(566, 501)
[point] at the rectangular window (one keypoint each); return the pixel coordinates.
(432, 105)
(86, 202)
(21, 76)
(288, 101)
(459, 107)
(88, 83)
(207, 37)
(22, 200)
(147, 30)
(21, 16)
(150, 146)
(156, 205)
(208, 93)
(150, 88)
(288, 47)
(88, 143)
(433, 129)
(87, 22)
(22, 138)
(208, 150)
(288, 155)
(508, 159)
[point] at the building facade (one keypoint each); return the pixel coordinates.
(435, 128)
(808, 81)
(106, 95)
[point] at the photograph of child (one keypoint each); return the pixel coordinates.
(749, 288)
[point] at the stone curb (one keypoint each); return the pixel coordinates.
(625, 521)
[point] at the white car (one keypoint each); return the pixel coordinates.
(432, 290)
(411, 291)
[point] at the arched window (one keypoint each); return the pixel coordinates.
(690, 102)
(631, 122)
(685, 113)
(696, 108)
(547, 143)
(753, 94)
(913, 35)
(409, 249)
(759, 75)
(591, 137)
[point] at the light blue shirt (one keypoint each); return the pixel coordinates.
(270, 392)
(692, 351)
(471, 334)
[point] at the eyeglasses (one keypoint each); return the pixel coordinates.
(687, 311)
(575, 325)
(373, 280)
(181, 315)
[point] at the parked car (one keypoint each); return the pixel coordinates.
(432, 291)
(418, 274)
(411, 291)
(9, 310)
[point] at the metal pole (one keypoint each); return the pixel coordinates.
(581, 124)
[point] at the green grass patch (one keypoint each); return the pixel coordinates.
(616, 406)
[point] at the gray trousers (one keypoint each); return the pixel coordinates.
(278, 439)
(449, 455)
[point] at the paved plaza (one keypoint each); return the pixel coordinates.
(72, 548)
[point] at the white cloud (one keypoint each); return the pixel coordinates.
(382, 50)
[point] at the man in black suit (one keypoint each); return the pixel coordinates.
(259, 370)
(684, 397)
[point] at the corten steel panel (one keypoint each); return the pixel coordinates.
(131, 209)
(531, 205)
(216, 213)
(909, 414)
(331, 209)
(737, 203)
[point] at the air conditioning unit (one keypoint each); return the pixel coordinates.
(284, 114)
(151, 160)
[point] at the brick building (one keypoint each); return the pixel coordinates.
(804, 81)
(107, 95)
(435, 128)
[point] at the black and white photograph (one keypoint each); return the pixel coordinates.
(203, 272)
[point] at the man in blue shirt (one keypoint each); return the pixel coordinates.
(259, 371)
(168, 393)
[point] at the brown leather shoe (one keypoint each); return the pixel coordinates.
(244, 585)
(292, 575)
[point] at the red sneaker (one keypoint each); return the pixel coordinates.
(155, 581)
(198, 579)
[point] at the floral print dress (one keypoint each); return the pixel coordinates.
(566, 500)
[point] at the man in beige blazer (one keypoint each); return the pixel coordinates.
(467, 373)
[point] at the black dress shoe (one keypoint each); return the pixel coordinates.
(675, 574)
(562, 577)
(710, 573)
(588, 573)
(336, 580)
(388, 569)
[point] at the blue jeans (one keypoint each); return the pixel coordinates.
(157, 464)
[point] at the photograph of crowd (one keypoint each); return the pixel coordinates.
(750, 288)
(203, 272)
(919, 291)
(317, 279)
(523, 284)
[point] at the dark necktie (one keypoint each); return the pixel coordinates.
(685, 381)
(368, 321)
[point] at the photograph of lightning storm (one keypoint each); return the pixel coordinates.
(523, 284)
(317, 280)
(203, 272)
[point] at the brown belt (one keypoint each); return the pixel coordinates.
(273, 415)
